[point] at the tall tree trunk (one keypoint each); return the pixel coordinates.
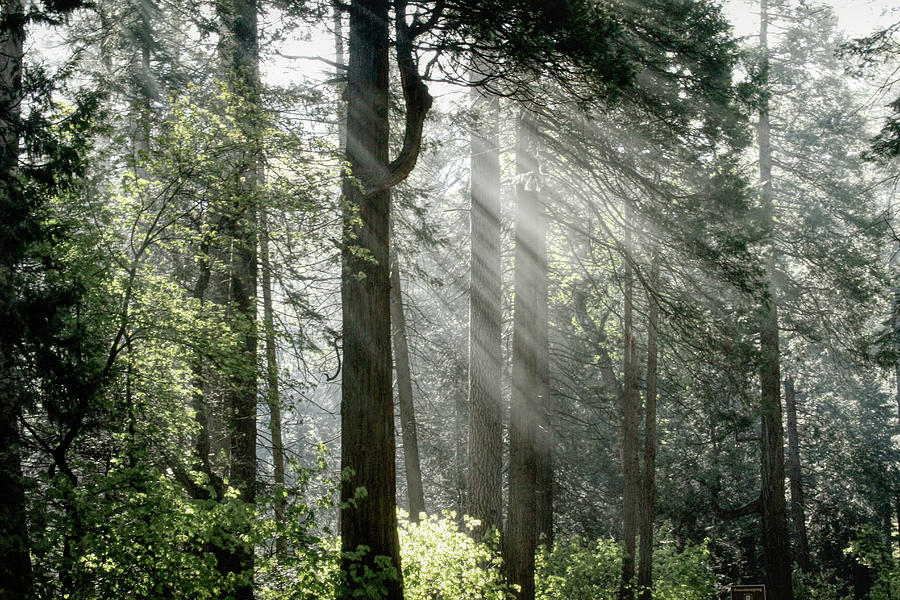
(272, 389)
(776, 545)
(240, 50)
(631, 498)
(15, 561)
(340, 72)
(368, 446)
(648, 477)
(545, 437)
(798, 512)
(459, 402)
(146, 94)
(405, 398)
(485, 444)
(897, 398)
(485, 351)
(203, 445)
(520, 539)
(367, 408)
(895, 334)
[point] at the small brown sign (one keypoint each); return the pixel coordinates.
(748, 592)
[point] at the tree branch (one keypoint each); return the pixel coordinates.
(751, 508)
(416, 98)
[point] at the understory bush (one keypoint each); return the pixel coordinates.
(578, 568)
(440, 561)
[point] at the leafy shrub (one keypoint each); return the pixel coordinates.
(684, 575)
(578, 569)
(440, 561)
(819, 586)
(581, 569)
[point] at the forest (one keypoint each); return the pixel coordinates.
(449, 299)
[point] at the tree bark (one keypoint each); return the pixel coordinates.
(240, 50)
(485, 442)
(15, 561)
(520, 540)
(795, 477)
(405, 398)
(631, 498)
(367, 409)
(648, 478)
(776, 545)
(368, 446)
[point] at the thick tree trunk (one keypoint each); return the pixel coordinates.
(798, 512)
(405, 398)
(520, 539)
(776, 545)
(367, 408)
(273, 396)
(631, 498)
(15, 561)
(240, 50)
(485, 444)
(648, 478)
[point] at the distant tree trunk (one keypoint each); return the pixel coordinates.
(203, 444)
(405, 398)
(631, 498)
(272, 396)
(340, 72)
(240, 50)
(648, 478)
(545, 436)
(15, 561)
(798, 512)
(520, 540)
(459, 437)
(485, 442)
(895, 329)
(897, 397)
(146, 94)
(776, 545)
